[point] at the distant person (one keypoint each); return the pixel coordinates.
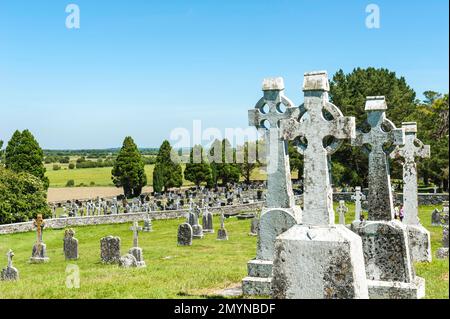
(396, 212)
(361, 217)
(402, 213)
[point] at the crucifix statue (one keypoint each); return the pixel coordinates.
(39, 224)
(135, 228)
(381, 132)
(273, 107)
(412, 148)
(358, 197)
(314, 127)
(342, 210)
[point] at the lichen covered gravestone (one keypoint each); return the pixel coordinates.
(110, 249)
(358, 197)
(442, 252)
(207, 221)
(39, 252)
(222, 232)
(419, 237)
(10, 273)
(279, 212)
(387, 256)
(70, 245)
(185, 234)
(318, 259)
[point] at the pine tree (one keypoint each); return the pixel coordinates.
(197, 170)
(23, 154)
(167, 173)
(129, 169)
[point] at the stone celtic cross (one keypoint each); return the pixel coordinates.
(314, 127)
(358, 197)
(135, 228)
(39, 224)
(412, 148)
(342, 210)
(273, 107)
(373, 142)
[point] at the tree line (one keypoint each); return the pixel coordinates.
(23, 184)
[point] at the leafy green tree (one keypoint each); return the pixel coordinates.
(128, 171)
(23, 154)
(197, 170)
(249, 160)
(222, 158)
(349, 92)
(167, 173)
(432, 119)
(295, 160)
(22, 197)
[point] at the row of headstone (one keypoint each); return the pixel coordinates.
(109, 249)
(191, 229)
(303, 254)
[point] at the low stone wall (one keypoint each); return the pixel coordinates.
(424, 198)
(60, 223)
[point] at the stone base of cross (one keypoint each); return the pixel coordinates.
(271, 223)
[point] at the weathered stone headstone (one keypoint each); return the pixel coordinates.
(39, 253)
(318, 259)
(442, 252)
(279, 212)
(136, 251)
(342, 210)
(148, 226)
(254, 226)
(70, 245)
(128, 261)
(185, 235)
(222, 232)
(358, 197)
(419, 237)
(110, 249)
(207, 221)
(10, 273)
(197, 229)
(436, 217)
(387, 254)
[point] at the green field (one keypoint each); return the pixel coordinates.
(172, 271)
(101, 176)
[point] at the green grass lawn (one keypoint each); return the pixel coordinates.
(172, 271)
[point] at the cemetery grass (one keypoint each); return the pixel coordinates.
(197, 271)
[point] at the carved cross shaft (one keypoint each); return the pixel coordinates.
(267, 114)
(358, 197)
(135, 228)
(412, 148)
(315, 128)
(39, 224)
(380, 191)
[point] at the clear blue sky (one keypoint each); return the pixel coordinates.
(142, 68)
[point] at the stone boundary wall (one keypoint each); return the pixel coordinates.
(60, 223)
(424, 198)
